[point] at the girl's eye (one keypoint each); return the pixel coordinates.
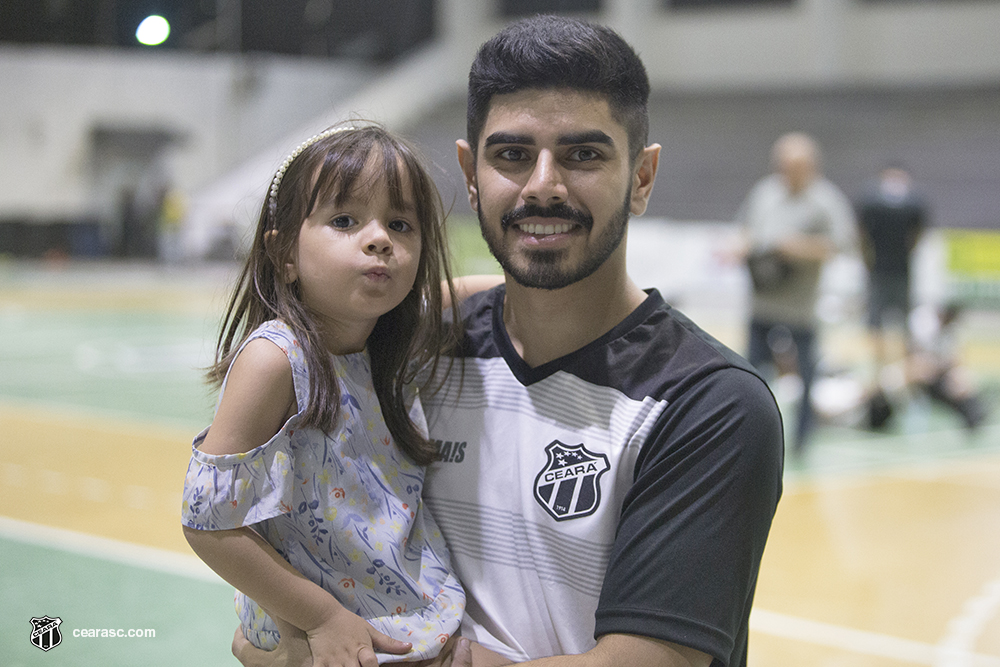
(342, 222)
(400, 226)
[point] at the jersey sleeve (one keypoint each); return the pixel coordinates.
(223, 492)
(693, 526)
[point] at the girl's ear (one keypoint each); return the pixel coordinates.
(289, 273)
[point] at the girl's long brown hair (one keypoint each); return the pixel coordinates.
(410, 337)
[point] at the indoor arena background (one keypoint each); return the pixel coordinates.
(885, 549)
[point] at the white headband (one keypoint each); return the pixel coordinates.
(272, 198)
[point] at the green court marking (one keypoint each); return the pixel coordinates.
(921, 432)
(143, 363)
(194, 620)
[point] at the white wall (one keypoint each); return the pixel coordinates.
(235, 113)
(821, 43)
(224, 109)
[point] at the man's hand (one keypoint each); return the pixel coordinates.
(462, 655)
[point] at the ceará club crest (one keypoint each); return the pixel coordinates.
(569, 486)
(45, 632)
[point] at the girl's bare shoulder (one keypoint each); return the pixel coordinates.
(259, 397)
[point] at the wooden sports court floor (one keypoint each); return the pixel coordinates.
(885, 549)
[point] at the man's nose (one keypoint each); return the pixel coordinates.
(545, 186)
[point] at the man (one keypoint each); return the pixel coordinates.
(609, 471)
(891, 219)
(794, 220)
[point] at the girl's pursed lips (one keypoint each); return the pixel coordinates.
(378, 272)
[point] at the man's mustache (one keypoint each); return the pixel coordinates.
(561, 210)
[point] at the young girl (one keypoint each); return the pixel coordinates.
(305, 492)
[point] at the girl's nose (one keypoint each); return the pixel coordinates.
(378, 242)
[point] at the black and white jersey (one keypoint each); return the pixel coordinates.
(627, 487)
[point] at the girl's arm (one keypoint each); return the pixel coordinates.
(336, 636)
(259, 398)
(466, 286)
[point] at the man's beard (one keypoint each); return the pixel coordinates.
(543, 270)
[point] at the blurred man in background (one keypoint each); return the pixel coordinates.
(793, 222)
(891, 219)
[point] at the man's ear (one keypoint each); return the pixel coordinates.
(289, 274)
(467, 161)
(644, 177)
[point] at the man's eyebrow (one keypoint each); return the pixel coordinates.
(508, 138)
(572, 139)
(586, 137)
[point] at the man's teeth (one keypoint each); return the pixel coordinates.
(545, 229)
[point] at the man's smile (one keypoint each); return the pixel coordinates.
(548, 214)
(544, 229)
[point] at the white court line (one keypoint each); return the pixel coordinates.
(957, 647)
(963, 630)
(116, 551)
(858, 641)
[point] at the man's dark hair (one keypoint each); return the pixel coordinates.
(560, 52)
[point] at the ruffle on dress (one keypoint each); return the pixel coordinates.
(227, 491)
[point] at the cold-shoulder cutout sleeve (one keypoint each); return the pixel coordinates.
(227, 491)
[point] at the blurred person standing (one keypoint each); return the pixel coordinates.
(793, 221)
(891, 218)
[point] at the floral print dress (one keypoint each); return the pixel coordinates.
(344, 509)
